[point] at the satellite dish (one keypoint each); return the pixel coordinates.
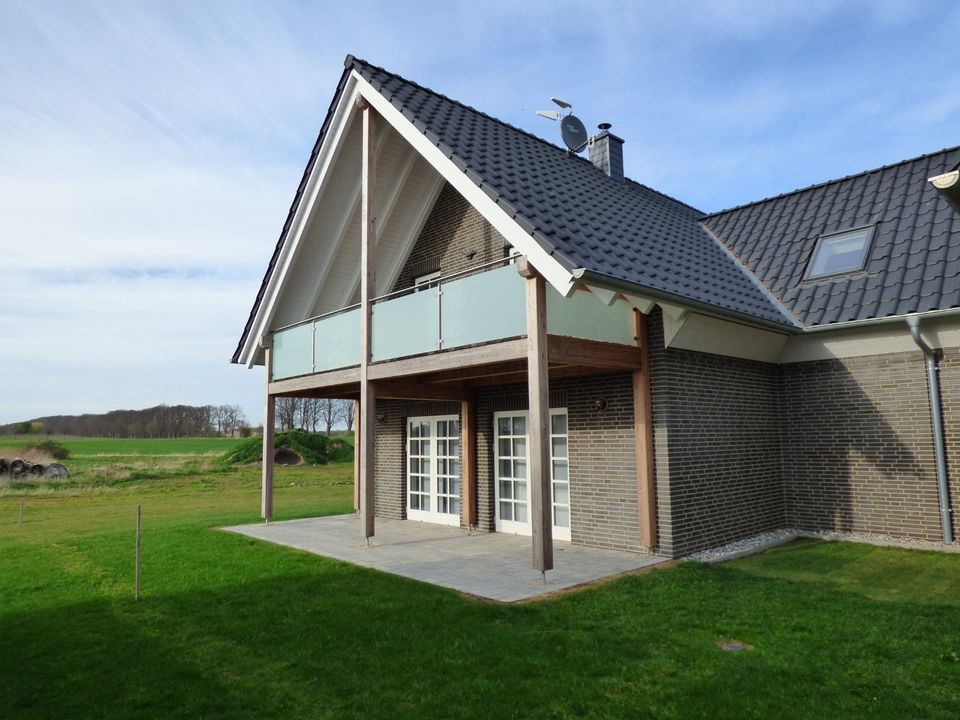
(574, 133)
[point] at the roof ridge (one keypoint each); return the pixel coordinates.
(831, 182)
(351, 61)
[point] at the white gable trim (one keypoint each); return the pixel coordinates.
(343, 114)
(552, 271)
(326, 157)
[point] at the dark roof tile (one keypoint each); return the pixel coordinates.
(916, 239)
(624, 230)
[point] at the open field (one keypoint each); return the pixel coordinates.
(229, 627)
(86, 447)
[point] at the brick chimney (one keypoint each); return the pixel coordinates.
(606, 152)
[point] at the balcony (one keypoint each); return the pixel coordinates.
(448, 313)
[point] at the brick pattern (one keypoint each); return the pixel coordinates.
(717, 446)
(858, 445)
(390, 479)
(603, 464)
(453, 231)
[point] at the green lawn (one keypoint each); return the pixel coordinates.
(85, 447)
(234, 628)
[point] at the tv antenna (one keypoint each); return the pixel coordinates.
(572, 130)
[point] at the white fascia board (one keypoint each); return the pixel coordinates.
(326, 157)
(552, 271)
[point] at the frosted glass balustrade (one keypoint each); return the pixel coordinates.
(337, 341)
(483, 307)
(407, 325)
(480, 308)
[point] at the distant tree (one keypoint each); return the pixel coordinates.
(286, 411)
(328, 414)
(346, 413)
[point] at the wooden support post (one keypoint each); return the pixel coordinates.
(468, 467)
(269, 422)
(538, 428)
(136, 581)
(368, 395)
(643, 436)
(356, 455)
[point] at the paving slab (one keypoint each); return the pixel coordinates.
(496, 566)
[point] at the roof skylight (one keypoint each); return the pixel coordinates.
(843, 252)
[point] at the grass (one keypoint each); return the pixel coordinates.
(234, 628)
(86, 447)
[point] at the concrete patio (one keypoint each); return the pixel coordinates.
(490, 565)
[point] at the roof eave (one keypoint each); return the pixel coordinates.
(614, 283)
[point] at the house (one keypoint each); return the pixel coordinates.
(540, 345)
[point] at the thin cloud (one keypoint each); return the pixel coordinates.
(151, 150)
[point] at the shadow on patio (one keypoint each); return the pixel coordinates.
(495, 566)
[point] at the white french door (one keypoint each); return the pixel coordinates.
(433, 469)
(511, 463)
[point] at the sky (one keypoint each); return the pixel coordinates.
(149, 151)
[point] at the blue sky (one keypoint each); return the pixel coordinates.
(149, 151)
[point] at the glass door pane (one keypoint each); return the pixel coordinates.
(433, 469)
(511, 472)
(419, 480)
(448, 466)
(560, 474)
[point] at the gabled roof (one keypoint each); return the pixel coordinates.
(914, 260)
(746, 262)
(624, 231)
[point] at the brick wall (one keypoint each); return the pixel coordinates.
(717, 447)
(390, 477)
(603, 467)
(740, 447)
(453, 231)
(858, 445)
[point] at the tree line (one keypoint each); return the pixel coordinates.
(162, 421)
(314, 414)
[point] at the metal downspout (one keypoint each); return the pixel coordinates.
(932, 357)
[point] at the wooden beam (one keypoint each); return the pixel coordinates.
(576, 351)
(643, 437)
(538, 388)
(368, 393)
(525, 269)
(421, 391)
(356, 455)
(330, 379)
(468, 465)
(449, 360)
(269, 420)
(510, 367)
(386, 210)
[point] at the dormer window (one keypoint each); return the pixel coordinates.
(840, 253)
